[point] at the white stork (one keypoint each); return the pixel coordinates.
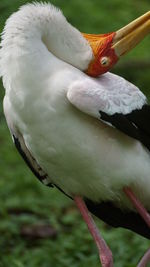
(88, 136)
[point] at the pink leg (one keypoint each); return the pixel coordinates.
(144, 261)
(138, 205)
(105, 253)
(146, 217)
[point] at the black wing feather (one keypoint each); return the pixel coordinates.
(141, 118)
(135, 124)
(114, 216)
(31, 162)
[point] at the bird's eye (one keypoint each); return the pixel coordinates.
(105, 61)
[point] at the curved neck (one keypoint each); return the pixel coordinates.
(38, 26)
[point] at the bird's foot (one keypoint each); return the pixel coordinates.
(146, 217)
(105, 253)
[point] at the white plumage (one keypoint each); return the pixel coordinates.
(108, 93)
(87, 136)
(42, 58)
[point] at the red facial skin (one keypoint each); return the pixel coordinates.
(102, 47)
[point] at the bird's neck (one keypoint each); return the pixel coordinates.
(40, 31)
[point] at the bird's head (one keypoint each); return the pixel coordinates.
(108, 48)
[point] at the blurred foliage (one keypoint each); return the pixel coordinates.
(20, 191)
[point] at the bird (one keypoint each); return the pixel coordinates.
(77, 126)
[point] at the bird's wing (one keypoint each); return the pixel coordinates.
(25, 153)
(29, 159)
(31, 162)
(114, 101)
(120, 104)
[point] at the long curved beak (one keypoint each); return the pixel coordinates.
(129, 36)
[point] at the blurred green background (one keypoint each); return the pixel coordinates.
(39, 226)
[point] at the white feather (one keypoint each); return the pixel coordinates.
(110, 93)
(81, 154)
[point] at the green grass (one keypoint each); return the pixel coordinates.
(24, 201)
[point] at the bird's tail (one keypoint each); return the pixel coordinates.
(114, 216)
